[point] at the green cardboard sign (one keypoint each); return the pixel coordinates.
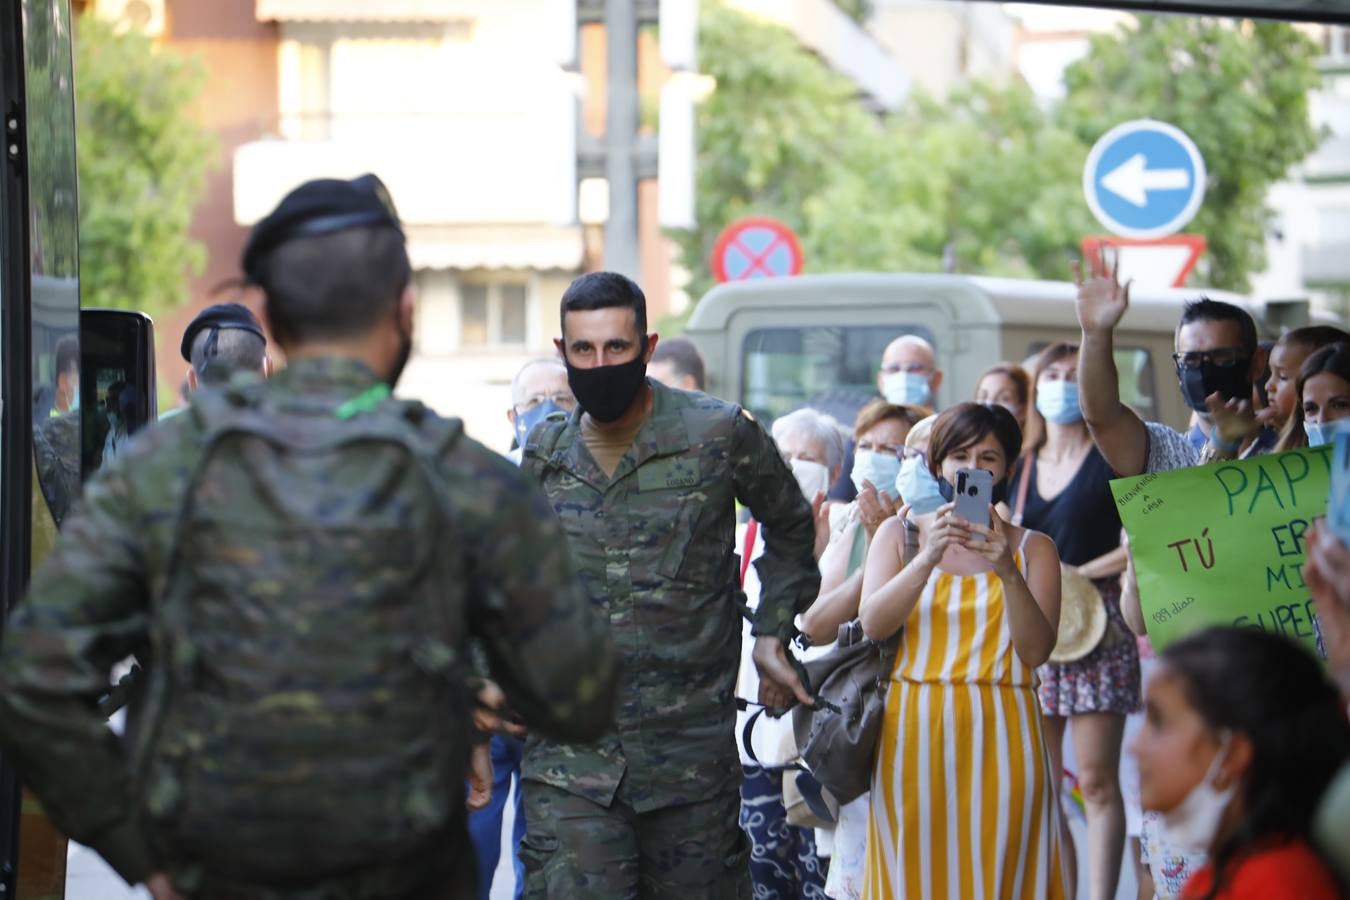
(1224, 543)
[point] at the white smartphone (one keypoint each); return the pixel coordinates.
(974, 493)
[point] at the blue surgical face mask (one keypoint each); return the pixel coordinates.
(531, 417)
(1058, 402)
(879, 468)
(918, 487)
(1319, 433)
(907, 389)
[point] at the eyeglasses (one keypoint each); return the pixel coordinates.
(1223, 358)
(564, 399)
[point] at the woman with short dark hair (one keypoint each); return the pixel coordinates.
(963, 803)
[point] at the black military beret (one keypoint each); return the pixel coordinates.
(222, 315)
(322, 206)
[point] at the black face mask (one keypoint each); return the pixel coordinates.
(948, 491)
(606, 392)
(1197, 384)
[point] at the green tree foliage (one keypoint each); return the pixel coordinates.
(142, 163)
(777, 129)
(982, 182)
(1239, 90)
(858, 10)
(988, 180)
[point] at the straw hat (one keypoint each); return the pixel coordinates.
(1082, 618)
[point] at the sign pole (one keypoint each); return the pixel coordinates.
(621, 131)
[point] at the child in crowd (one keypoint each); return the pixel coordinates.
(1286, 359)
(1321, 396)
(1243, 734)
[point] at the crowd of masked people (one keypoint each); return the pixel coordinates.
(1204, 766)
(706, 658)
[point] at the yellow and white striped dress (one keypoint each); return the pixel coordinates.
(962, 804)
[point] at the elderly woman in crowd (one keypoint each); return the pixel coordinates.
(783, 862)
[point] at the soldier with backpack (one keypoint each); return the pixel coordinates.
(301, 564)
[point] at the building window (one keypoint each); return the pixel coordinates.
(1335, 43)
(473, 315)
(493, 314)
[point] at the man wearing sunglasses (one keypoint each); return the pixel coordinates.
(1217, 361)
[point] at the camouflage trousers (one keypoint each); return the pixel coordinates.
(577, 848)
(449, 875)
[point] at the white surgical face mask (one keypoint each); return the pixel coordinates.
(1194, 822)
(907, 389)
(812, 478)
(879, 468)
(1319, 433)
(1058, 402)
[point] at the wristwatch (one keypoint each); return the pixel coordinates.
(1215, 451)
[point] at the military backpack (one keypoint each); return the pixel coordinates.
(306, 712)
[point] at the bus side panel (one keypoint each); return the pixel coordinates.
(53, 255)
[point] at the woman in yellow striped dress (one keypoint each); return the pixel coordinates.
(962, 801)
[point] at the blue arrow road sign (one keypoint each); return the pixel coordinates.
(1144, 179)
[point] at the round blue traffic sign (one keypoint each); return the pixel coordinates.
(1144, 179)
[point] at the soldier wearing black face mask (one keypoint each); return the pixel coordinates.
(645, 480)
(1217, 362)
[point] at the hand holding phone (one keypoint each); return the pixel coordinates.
(974, 495)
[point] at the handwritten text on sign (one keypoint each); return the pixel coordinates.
(1224, 543)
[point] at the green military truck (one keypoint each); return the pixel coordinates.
(774, 345)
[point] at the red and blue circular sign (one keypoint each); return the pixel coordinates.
(756, 247)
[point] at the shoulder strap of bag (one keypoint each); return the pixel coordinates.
(911, 539)
(751, 535)
(1028, 465)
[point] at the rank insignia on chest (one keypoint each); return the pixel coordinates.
(664, 474)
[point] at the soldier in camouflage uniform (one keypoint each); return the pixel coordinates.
(304, 617)
(645, 480)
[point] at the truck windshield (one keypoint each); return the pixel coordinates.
(830, 368)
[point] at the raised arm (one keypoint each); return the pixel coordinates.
(1118, 432)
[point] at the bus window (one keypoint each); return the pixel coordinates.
(1137, 388)
(830, 368)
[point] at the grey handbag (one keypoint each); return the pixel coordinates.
(838, 739)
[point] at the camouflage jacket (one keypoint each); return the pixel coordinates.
(95, 600)
(654, 546)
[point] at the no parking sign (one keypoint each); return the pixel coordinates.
(756, 247)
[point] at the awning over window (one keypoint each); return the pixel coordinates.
(467, 247)
(360, 10)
